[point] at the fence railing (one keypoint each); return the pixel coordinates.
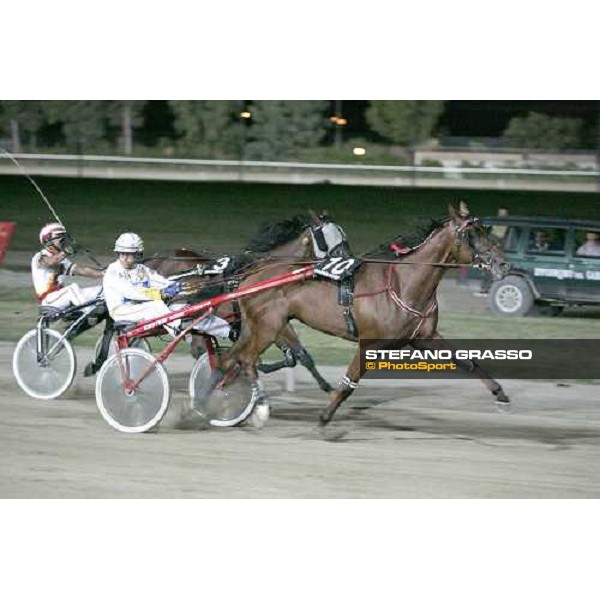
(116, 167)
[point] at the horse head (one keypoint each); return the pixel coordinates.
(328, 238)
(474, 244)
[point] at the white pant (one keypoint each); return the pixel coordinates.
(212, 325)
(142, 311)
(71, 295)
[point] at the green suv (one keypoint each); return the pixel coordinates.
(555, 263)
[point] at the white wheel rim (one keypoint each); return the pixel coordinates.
(25, 360)
(509, 298)
(202, 370)
(114, 404)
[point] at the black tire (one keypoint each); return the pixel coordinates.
(511, 297)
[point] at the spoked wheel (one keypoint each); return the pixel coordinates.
(50, 376)
(222, 407)
(143, 408)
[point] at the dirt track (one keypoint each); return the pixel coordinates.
(409, 440)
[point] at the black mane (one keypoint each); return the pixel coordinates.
(272, 235)
(420, 232)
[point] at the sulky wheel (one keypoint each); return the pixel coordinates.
(138, 410)
(50, 374)
(222, 407)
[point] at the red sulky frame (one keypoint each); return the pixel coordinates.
(198, 312)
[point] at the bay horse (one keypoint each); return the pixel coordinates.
(286, 240)
(393, 299)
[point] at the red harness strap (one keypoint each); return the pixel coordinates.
(399, 250)
(413, 312)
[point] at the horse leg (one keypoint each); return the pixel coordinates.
(247, 356)
(102, 354)
(289, 338)
(307, 361)
(345, 388)
(470, 366)
(252, 342)
(289, 359)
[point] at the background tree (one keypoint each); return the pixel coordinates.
(538, 130)
(127, 114)
(84, 122)
(280, 128)
(405, 122)
(211, 128)
(19, 116)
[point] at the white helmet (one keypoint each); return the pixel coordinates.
(129, 242)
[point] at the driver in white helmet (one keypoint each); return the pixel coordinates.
(134, 292)
(51, 266)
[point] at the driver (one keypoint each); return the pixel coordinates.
(51, 266)
(134, 292)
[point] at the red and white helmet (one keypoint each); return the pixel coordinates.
(51, 232)
(130, 243)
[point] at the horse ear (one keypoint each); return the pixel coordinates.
(452, 212)
(313, 216)
(464, 209)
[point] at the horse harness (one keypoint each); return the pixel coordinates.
(462, 233)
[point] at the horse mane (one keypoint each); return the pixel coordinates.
(271, 235)
(421, 230)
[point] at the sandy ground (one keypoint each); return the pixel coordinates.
(390, 440)
(408, 440)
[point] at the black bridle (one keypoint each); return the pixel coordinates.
(464, 234)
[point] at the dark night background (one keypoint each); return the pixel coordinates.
(477, 118)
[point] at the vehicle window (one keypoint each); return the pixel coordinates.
(587, 243)
(546, 240)
(511, 238)
(499, 231)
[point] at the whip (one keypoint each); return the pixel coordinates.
(47, 202)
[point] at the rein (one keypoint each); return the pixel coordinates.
(401, 262)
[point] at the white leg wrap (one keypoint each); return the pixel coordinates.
(348, 383)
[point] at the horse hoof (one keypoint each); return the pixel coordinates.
(332, 433)
(503, 404)
(260, 415)
(324, 418)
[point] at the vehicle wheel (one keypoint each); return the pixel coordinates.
(223, 407)
(50, 378)
(142, 409)
(511, 297)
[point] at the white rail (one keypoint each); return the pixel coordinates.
(301, 173)
(298, 165)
